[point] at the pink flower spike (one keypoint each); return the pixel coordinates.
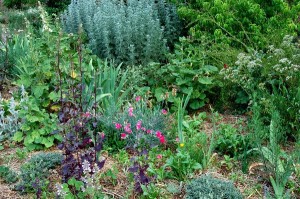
(123, 136)
(164, 111)
(159, 156)
(139, 125)
(118, 126)
(177, 139)
(158, 134)
(138, 98)
(143, 129)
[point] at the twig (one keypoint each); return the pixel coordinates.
(109, 192)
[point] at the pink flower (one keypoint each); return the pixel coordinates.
(123, 136)
(102, 135)
(164, 111)
(127, 128)
(138, 98)
(118, 126)
(159, 156)
(162, 139)
(143, 129)
(139, 125)
(130, 111)
(158, 134)
(177, 139)
(149, 131)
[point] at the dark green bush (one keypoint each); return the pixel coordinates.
(37, 169)
(54, 6)
(207, 187)
(8, 175)
(133, 32)
(18, 4)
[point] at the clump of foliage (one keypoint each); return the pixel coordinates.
(272, 80)
(243, 23)
(37, 169)
(55, 7)
(8, 175)
(212, 188)
(18, 4)
(131, 32)
(137, 124)
(187, 69)
(10, 119)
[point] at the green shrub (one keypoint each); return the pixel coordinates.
(133, 32)
(18, 4)
(8, 175)
(54, 6)
(245, 23)
(37, 169)
(272, 80)
(207, 187)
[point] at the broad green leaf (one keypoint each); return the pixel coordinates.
(196, 104)
(54, 96)
(205, 80)
(38, 90)
(18, 137)
(159, 94)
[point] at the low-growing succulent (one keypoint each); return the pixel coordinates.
(207, 187)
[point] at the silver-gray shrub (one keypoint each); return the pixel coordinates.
(10, 121)
(133, 32)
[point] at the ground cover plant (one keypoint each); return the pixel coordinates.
(150, 99)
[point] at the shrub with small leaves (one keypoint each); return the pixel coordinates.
(207, 187)
(37, 169)
(8, 175)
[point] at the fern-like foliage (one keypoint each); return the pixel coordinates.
(132, 32)
(207, 187)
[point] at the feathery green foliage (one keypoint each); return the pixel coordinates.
(133, 32)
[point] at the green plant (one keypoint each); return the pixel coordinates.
(271, 79)
(111, 175)
(10, 119)
(39, 128)
(131, 32)
(21, 153)
(138, 124)
(87, 187)
(277, 162)
(229, 141)
(37, 169)
(208, 187)
(180, 115)
(187, 69)
(8, 175)
(151, 191)
(181, 165)
(55, 7)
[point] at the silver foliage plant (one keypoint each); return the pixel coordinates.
(132, 31)
(10, 122)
